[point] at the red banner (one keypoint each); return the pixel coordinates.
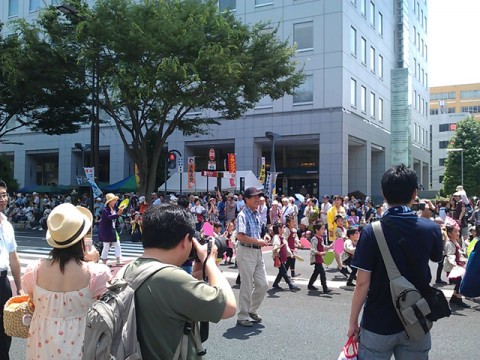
(191, 172)
(232, 167)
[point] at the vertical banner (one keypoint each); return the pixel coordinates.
(137, 176)
(90, 175)
(232, 168)
(262, 171)
(270, 185)
(266, 187)
(191, 172)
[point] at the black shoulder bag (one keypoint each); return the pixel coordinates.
(435, 297)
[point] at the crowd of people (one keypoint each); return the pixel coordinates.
(247, 222)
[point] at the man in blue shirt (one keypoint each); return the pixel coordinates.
(381, 332)
(251, 266)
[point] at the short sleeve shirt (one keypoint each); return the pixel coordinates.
(165, 302)
(7, 242)
(248, 223)
(425, 243)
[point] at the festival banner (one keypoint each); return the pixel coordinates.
(232, 168)
(137, 176)
(262, 171)
(191, 172)
(90, 175)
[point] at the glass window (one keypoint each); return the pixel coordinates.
(372, 59)
(470, 94)
(415, 36)
(34, 5)
(363, 7)
(263, 2)
(353, 92)
(415, 67)
(303, 35)
(372, 104)
(441, 162)
(443, 144)
(440, 179)
(304, 93)
(224, 5)
(380, 66)
(380, 109)
(363, 51)
(372, 13)
(380, 23)
(353, 41)
(12, 8)
(363, 99)
(264, 102)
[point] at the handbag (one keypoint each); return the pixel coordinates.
(435, 298)
(349, 350)
(17, 315)
(276, 262)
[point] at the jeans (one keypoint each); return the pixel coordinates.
(381, 347)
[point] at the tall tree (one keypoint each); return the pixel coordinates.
(466, 137)
(157, 60)
(41, 89)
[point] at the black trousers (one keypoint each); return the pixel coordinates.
(282, 274)
(290, 264)
(5, 294)
(319, 270)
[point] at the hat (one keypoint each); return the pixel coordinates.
(98, 199)
(110, 197)
(67, 225)
(304, 221)
(141, 199)
(274, 202)
(326, 197)
(458, 193)
(284, 200)
(252, 191)
(34, 193)
(459, 188)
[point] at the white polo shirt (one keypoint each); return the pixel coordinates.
(7, 242)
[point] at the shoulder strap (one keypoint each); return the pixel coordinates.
(390, 265)
(142, 273)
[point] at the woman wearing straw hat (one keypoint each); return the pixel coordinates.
(63, 287)
(107, 233)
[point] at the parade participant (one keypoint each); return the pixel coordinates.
(107, 233)
(317, 251)
(353, 234)
(293, 243)
(282, 251)
(254, 284)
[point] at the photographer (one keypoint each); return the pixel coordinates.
(171, 297)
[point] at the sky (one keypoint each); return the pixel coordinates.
(453, 42)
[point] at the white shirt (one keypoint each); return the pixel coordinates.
(262, 209)
(7, 242)
(324, 210)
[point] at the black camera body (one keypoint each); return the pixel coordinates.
(418, 206)
(219, 241)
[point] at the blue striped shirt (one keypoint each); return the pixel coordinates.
(248, 223)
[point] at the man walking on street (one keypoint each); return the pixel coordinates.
(381, 331)
(251, 267)
(8, 258)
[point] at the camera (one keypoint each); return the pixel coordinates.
(418, 206)
(219, 241)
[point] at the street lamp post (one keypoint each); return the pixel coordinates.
(83, 149)
(461, 158)
(272, 137)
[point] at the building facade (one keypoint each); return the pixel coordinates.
(362, 107)
(448, 106)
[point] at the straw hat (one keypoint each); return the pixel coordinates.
(67, 225)
(110, 197)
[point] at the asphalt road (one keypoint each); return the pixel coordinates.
(307, 325)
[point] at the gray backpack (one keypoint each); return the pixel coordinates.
(111, 326)
(411, 306)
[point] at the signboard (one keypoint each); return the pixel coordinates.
(212, 165)
(191, 172)
(211, 154)
(232, 167)
(180, 164)
(262, 171)
(210, 173)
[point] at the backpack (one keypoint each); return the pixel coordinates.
(111, 324)
(410, 305)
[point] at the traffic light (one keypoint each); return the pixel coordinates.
(172, 160)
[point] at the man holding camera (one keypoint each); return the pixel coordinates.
(381, 331)
(171, 298)
(251, 266)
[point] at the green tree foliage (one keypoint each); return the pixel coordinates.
(40, 88)
(6, 173)
(157, 60)
(466, 137)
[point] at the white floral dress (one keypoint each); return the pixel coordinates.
(58, 324)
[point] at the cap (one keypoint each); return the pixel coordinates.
(98, 199)
(326, 197)
(252, 191)
(458, 193)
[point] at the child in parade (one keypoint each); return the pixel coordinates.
(282, 251)
(317, 251)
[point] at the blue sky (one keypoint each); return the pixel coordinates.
(453, 42)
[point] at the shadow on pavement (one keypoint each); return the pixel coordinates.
(242, 332)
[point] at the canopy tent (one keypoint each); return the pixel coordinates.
(128, 184)
(44, 189)
(173, 183)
